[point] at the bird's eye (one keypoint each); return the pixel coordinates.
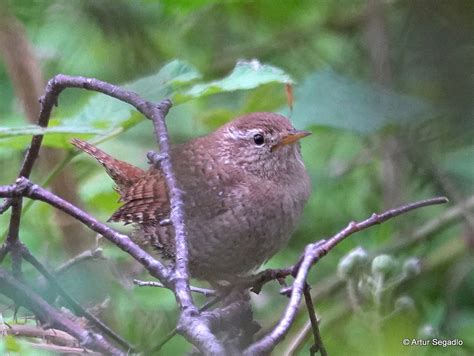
(258, 139)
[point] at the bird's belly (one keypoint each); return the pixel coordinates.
(239, 245)
(234, 241)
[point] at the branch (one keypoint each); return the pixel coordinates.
(28, 162)
(7, 203)
(13, 242)
(312, 254)
(93, 254)
(170, 335)
(55, 336)
(204, 291)
(78, 309)
(193, 327)
(430, 227)
(49, 316)
(318, 342)
(26, 188)
(61, 350)
(190, 325)
(181, 272)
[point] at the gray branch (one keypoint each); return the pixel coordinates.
(23, 295)
(312, 254)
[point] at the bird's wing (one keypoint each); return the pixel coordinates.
(146, 201)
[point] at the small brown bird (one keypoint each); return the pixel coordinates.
(245, 186)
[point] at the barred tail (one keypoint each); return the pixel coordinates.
(123, 173)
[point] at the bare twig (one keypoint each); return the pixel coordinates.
(61, 350)
(194, 328)
(183, 292)
(330, 284)
(24, 187)
(298, 340)
(13, 238)
(318, 342)
(7, 203)
(204, 291)
(28, 162)
(312, 254)
(174, 332)
(432, 226)
(58, 337)
(78, 309)
(93, 254)
(49, 316)
(190, 325)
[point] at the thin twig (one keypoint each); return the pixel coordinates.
(174, 332)
(55, 336)
(7, 203)
(204, 291)
(24, 187)
(93, 254)
(61, 350)
(29, 160)
(298, 340)
(23, 295)
(331, 284)
(318, 342)
(312, 254)
(78, 309)
(183, 292)
(189, 321)
(13, 238)
(432, 226)
(190, 325)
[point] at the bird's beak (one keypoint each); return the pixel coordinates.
(291, 138)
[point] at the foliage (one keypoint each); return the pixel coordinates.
(192, 51)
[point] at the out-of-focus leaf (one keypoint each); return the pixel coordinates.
(29, 130)
(326, 98)
(183, 7)
(103, 115)
(246, 75)
(12, 344)
(59, 136)
(106, 113)
(459, 164)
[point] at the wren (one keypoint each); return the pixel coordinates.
(245, 186)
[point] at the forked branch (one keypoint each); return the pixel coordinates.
(193, 323)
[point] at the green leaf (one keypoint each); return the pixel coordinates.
(105, 116)
(36, 130)
(455, 163)
(19, 137)
(329, 99)
(11, 344)
(246, 75)
(106, 113)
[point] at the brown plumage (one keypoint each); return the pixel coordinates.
(245, 187)
(124, 174)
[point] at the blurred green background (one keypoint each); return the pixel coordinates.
(386, 88)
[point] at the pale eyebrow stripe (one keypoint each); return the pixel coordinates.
(239, 134)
